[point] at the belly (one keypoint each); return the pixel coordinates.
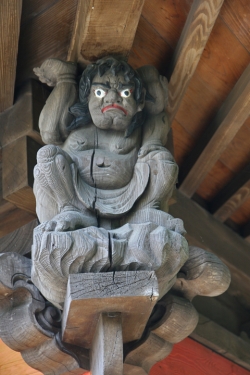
(105, 170)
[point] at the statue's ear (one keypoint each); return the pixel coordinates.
(141, 104)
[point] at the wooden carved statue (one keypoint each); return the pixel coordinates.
(117, 269)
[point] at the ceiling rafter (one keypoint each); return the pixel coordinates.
(232, 196)
(104, 27)
(192, 42)
(229, 119)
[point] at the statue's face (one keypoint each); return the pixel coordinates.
(111, 102)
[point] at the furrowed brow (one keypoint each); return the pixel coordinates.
(106, 85)
(126, 86)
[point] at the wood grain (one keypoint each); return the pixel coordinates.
(10, 16)
(19, 159)
(192, 358)
(45, 33)
(216, 179)
(195, 34)
(242, 215)
(107, 348)
(22, 118)
(152, 350)
(149, 48)
(134, 294)
(232, 161)
(232, 196)
(20, 240)
(222, 341)
(207, 232)
(11, 360)
(221, 131)
(167, 18)
(235, 14)
(12, 218)
(104, 28)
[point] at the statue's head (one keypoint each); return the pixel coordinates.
(111, 95)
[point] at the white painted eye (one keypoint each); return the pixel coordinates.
(125, 93)
(100, 93)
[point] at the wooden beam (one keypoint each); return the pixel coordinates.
(192, 42)
(205, 231)
(22, 118)
(229, 119)
(107, 348)
(17, 122)
(12, 362)
(12, 218)
(10, 16)
(19, 241)
(104, 28)
(232, 196)
(46, 29)
(245, 230)
(19, 160)
(222, 341)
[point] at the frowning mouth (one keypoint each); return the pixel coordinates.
(114, 106)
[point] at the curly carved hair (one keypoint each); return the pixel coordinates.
(81, 109)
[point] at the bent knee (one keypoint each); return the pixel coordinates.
(47, 153)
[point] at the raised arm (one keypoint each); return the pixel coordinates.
(55, 116)
(156, 126)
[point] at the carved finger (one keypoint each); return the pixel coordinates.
(63, 226)
(50, 226)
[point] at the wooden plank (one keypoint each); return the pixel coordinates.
(20, 240)
(11, 363)
(222, 341)
(45, 32)
(191, 358)
(189, 49)
(245, 230)
(12, 218)
(133, 293)
(19, 160)
(205, 231)
(224, 310)
(22, 118)
(149, 48)
(235, 14)
(104, 27)
(10, 16)
(232, 196)
(229, 119)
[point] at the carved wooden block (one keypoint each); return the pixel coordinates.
(31, 326)
(134, 294)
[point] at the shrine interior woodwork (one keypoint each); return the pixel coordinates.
(203, 48)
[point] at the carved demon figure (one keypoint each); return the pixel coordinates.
(113, 164)
(99, 182)
(105, 170)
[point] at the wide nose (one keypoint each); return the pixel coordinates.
(112, 97)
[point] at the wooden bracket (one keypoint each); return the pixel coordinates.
(103, 310)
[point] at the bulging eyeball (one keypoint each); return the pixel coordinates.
(125, 93)
(100, 93)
